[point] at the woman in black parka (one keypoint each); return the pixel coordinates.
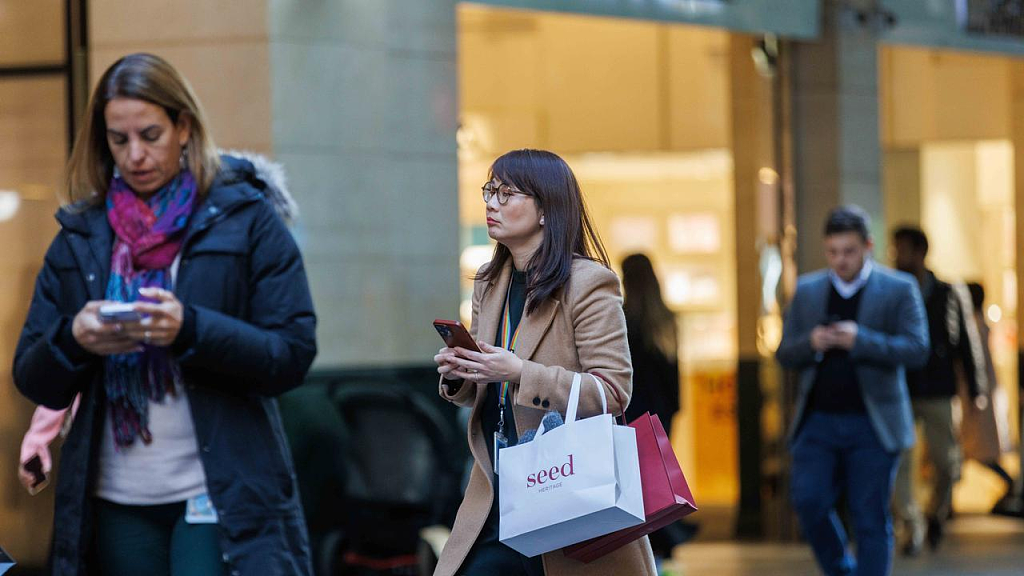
(176, 462)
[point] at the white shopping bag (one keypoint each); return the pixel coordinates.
(576, 482)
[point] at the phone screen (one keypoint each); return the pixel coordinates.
(119, 313)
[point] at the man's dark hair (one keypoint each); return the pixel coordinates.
(848, 218)
(913, 236)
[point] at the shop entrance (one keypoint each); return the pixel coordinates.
(948, 153)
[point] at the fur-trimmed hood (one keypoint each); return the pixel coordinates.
(267, 175)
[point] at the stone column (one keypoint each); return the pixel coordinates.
(755, 178)
(835, 127)
(364, 116)
(1017, 136)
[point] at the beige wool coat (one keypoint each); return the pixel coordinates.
(581, 328)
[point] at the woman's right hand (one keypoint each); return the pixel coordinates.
(98, 337)
(445, 360)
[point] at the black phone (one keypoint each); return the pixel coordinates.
(34, 466)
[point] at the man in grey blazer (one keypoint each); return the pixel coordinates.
(851, 331)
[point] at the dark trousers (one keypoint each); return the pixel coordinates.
(154, 540)
(489, 557)
(836, 454)
(493, 558)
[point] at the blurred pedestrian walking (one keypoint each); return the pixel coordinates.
(985, 423)
(654, 347)
(850, 331)
(932, 389)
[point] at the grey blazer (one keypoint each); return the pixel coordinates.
(892, 336)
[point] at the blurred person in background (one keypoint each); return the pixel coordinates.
(850, 331)
(654, 347)
(176, 461)
(985, 424)
(653, 343)
(552, 307)
(932, 389)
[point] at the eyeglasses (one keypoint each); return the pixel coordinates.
(504, 192)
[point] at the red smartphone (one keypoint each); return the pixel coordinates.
(455, 334)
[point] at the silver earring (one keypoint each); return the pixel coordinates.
(183, 159)
(541, 220)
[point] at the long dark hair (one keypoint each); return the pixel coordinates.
(568, 233)
(647, 316)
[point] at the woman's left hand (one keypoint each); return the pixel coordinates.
(493, 364)
(162, 320)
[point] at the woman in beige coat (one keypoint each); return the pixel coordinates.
(545, 307)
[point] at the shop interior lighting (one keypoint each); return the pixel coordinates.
(473, 257)
(10, 201)
(995, 313)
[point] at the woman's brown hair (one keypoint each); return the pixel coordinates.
(568, 232)
(140, 77)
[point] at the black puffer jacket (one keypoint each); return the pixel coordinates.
(248, 336)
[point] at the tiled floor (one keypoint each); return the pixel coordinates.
(976, 545)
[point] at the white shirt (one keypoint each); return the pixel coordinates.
(848, 289)
(164, 471)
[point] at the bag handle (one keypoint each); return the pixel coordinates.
(600, 390)
(571, 409)
(618, 398)
(574, 399)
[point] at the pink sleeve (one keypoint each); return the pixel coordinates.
(45, 426)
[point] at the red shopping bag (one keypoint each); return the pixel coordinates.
(667, 497)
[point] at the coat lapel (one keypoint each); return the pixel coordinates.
(819, 300)
(869, 300)
(491, 304)
(533, 326)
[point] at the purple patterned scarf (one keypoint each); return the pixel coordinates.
(148, 238)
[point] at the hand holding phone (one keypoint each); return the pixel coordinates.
(110, 313)
(454, 335)
(102, 334)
